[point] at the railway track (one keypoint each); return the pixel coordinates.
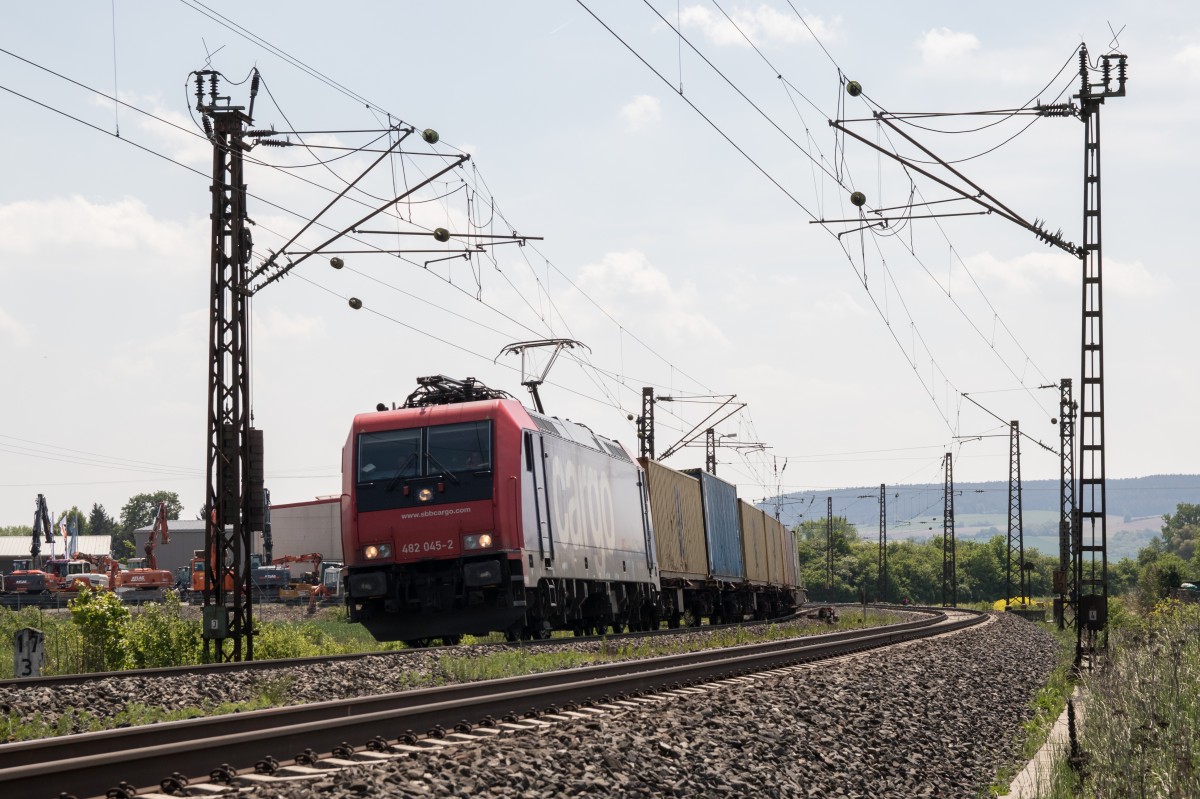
(284, 663)
(248, 746)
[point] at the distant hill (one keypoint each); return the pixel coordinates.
(1135, 506)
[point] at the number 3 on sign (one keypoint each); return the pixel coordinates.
(28, 651)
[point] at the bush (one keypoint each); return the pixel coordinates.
(159, 636)
(102, 621)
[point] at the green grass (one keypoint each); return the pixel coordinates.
(515, 662)
(1142, 711)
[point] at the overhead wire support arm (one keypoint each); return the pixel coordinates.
(271, 260)
(458, 161)
(514, 236)
(899, 218)
(1049, 449)
(1054, 239)
(702, 425)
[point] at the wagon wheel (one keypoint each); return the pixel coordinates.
(417, 643)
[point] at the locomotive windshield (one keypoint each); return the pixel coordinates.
(393, 462)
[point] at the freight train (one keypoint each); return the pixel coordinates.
(464, 512)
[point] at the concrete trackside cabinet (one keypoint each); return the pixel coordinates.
(29, 650)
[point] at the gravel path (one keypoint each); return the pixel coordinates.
(933, 718)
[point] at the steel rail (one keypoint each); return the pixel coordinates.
(89, 764)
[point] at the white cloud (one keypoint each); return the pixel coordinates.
(942, 45)
(628, 281)
(12, 331)
(643, 110)
(763, 25)
(276, 325)
(51, 227)
(1041, 271)
(1189, 59)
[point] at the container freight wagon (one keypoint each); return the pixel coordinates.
(758, 553)
(716, 560)
(722, 527)
(678, 514)
(771, 591)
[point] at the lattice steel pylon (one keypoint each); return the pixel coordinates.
(1091, 533)
(949, 548)
(228, 610)
(645, 424)
(883, 565)
(1016, 534)
(829, 545)
(1066, 587)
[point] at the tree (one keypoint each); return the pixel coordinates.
(17, 530)
(1122, 576)
(1181, 530)
(1158, 578)
(140, 511)
(100, 522)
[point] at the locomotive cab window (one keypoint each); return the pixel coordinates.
(390, 454)
(453, 461)
(454, 448)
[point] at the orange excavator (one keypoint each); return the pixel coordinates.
(144, 572)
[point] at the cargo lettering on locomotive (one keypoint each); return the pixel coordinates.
(587, 498)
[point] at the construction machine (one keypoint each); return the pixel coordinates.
(27, 577)
(143, 573)
(298, 590)
(102, 563)
(329, 584)
(67, 574)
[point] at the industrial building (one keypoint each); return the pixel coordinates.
(297, 528)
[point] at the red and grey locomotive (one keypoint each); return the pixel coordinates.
(463, 512)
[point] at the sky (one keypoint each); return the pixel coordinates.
(679, 173)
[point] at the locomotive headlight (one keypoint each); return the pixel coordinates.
(374, 551)
(424, 495)
(477, 541)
